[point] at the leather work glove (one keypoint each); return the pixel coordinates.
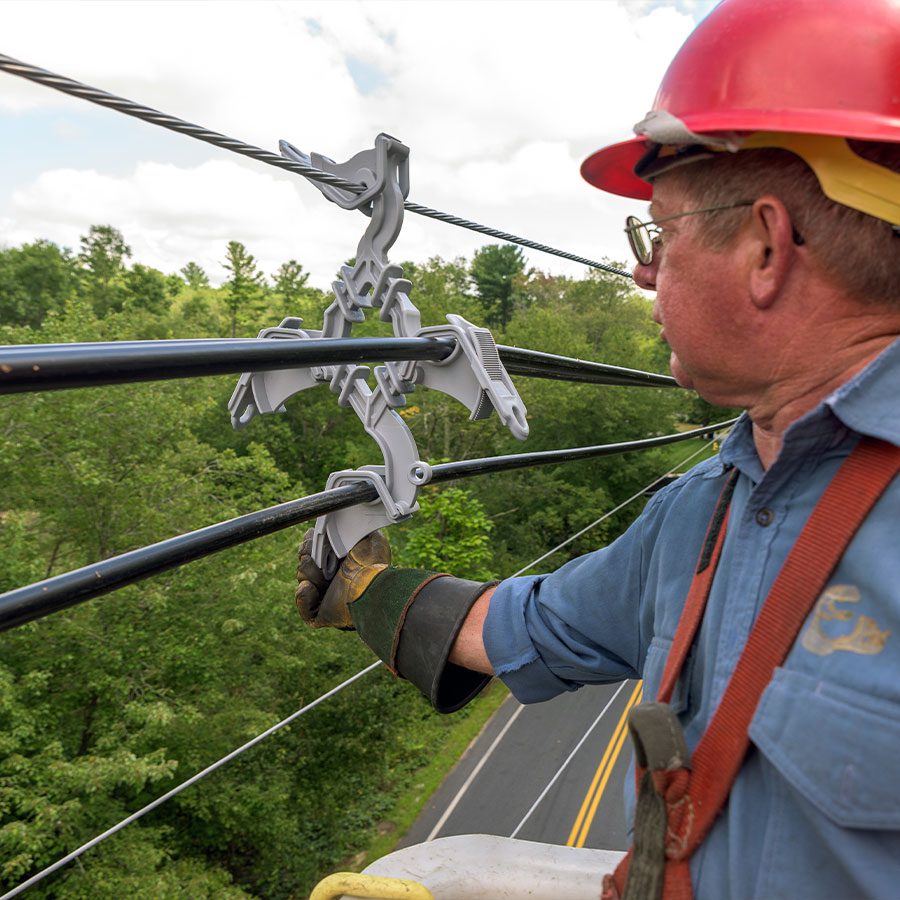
(409, 617)
(325, 604)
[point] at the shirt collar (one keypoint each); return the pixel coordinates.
(867, 404)
(739, 449)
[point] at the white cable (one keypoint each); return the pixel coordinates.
(184, 784)
(568, 759)
(606, 515)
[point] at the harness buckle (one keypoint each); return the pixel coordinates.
(659, 743)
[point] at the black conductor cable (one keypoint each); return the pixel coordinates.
(44, 367)
(37, 600)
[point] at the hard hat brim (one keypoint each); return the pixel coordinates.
(612, 169)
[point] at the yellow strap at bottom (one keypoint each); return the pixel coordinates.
(375, 887)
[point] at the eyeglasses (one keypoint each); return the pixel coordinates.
(645, 236)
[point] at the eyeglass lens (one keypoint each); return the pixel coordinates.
(640, 240)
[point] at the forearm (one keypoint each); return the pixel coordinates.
(468, 649)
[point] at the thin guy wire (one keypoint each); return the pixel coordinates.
(155, 117)
(606, 515)
(184, 784)
(512, 238)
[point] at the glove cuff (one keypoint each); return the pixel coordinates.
(410, 618)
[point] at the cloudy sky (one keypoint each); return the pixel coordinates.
(498, 101)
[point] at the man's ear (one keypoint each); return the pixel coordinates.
(772, 250)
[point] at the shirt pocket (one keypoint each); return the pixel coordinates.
(655, 664)
(839, 748)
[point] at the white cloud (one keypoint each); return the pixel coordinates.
(211, 204)
(499, 109)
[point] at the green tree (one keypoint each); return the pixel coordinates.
(146, 288)
(244, 286)
(100, 706)
(34, 279)
(108, 704)
(495, 270)
(290, 286)
(174, 286)
(102, 255)
(451, 533)
(194, 276)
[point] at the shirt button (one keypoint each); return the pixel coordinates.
(764, 517)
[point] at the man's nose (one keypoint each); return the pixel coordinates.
(645, 276)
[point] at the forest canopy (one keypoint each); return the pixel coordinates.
(109, 704)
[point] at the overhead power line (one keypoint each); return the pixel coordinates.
(535, 364)
(466, 468)
(37, 600)
(45, 367)
(641, 493)
(62, 591)
(172, 123)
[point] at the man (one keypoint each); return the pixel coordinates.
(772, 157)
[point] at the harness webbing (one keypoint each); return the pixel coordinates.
(695, 792)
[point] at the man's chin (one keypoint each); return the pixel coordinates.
(678, 373)
(710, 389)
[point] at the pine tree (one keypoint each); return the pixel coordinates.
(243, 288)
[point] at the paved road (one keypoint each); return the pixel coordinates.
(500, 785)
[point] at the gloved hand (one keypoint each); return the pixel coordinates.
(409, 617)
(325, 604)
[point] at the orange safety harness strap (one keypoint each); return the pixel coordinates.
(695, 790)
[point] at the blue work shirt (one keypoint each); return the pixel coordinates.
(815, 810)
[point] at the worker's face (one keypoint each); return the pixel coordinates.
(697, 300)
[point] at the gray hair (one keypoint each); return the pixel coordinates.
(855, 251)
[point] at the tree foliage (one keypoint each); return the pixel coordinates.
(102, 259)
(244, 287)
(290, 286)
(194, 276)
(109, 704)
(452, 533)
(35, 279)
(497, 271)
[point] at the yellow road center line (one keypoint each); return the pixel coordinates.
(606, 764)
(602, 786)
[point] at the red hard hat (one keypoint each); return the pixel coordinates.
(826, 67)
